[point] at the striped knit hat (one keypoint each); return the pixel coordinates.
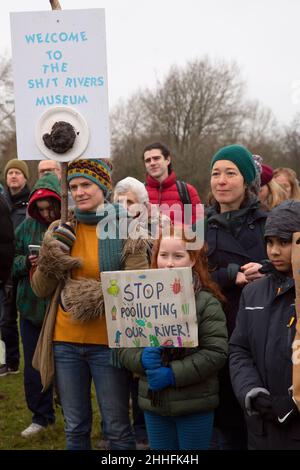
(96, 171)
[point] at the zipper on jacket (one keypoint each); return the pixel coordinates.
(160, 192)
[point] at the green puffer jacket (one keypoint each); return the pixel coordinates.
(196, 373)
(31, 232)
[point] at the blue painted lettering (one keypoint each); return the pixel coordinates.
(39, 38)
(55, 67)
(74, 82)
(60, 99)
(43, 82)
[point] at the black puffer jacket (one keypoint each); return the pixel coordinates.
(6, 241)
(260, 355)
(234, 239)
(17, 204)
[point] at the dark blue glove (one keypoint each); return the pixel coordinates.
(160, 378)
(151, 358)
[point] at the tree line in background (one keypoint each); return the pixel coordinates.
(195, 110)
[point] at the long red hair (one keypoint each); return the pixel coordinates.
(199, 256)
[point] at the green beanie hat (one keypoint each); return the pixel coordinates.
(19, 165)
(241, 157)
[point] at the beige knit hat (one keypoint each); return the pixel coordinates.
(19, 164)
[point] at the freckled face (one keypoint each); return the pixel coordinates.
(173, 254)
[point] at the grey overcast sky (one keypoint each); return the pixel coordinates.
(144, 38)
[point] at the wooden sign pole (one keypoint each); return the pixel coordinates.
(296, 345)
(55, 5)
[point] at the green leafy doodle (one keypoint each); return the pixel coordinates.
(153, 341)
(185, 308)
(137, 342)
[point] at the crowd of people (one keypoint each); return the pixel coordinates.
(234, 391)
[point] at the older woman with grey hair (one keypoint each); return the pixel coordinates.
(133, 195)
(129, 192)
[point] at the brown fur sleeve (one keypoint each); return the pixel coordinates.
(83, 299)
(55, 262)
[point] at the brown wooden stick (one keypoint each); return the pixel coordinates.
(64, 193)
(55, 5)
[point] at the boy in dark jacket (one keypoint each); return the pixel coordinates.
(261, 344)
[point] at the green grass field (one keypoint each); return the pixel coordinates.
(15, 417)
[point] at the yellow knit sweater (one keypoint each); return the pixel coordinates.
(93, 331)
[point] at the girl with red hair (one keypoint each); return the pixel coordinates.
(178, 387)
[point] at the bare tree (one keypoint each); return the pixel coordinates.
(128, 127)
(195, 110)
(195, 102)
(291, 144)
(193, 107)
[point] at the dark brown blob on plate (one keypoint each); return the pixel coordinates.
(62, 137)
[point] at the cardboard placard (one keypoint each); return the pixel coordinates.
(59, 60)
(153, 307)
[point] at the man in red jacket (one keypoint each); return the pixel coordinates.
(165, 190)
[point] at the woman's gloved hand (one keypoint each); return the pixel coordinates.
(65, 235)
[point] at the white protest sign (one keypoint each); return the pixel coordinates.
(153, 307)
(59, 62)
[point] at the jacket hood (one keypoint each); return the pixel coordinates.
(47, 186)
(48, 181)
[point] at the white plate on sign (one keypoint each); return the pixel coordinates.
(62, 113)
